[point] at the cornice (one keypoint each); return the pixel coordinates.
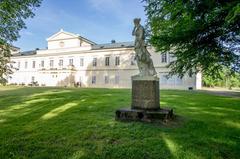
(74, 53)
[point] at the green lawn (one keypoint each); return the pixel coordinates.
(79, 123)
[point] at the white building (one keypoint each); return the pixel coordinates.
(74, 60)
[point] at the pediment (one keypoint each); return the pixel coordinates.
(61, 35)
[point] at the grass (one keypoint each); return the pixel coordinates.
(42, 123)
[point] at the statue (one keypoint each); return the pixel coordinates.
(145, 104)
(143, 57)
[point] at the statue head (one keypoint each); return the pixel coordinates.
(136, 21)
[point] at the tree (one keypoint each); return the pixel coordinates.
(203, 35)
(12, 16)
(226, 79)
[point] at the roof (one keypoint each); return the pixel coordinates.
(87, 40)
(94, 47)
(113, 45)
(26, 53)
(14, 47)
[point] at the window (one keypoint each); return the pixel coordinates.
(178, 81)
(42, 63)
(81, 62)
(117, 79)
(117, 61)
(33, 78)
(54, 76)
(71, 62)
(107, 61)
(106, 79)
(33, 64)
(80, 79)
(19, 65)
(80, 82)
(172, 57)
(61, 62)
(133, 60)
(94, 79)
(163, 79)
(171, 81)
(26, 65)
(61, 44)
(94, 62)
(190, 73)
(51, 63)
(164, 58)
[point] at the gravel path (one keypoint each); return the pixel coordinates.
(222, 92)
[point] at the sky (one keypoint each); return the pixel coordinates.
(98, 20)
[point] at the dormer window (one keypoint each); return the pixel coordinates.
(61, 44)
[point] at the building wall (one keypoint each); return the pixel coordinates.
(111, 76)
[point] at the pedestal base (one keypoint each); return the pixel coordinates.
(145, 93)
(145, 102)
(144, 115)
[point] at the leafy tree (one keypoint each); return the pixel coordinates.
(12, 16)
(203, 35)
(226, 79)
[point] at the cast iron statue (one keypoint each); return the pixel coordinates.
(143, 57)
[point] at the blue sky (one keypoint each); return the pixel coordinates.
(98, 20)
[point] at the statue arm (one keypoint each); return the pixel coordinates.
(141, 33)
(139, 42)
(134, 31)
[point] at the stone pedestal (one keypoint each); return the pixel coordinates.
(144, 115)
(145, 102)
(145, 93)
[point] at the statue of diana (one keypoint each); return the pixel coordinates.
(143, 57)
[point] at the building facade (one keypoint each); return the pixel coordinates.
(74, 60)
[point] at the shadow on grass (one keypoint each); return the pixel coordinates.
(79, 123)
(213, 127)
